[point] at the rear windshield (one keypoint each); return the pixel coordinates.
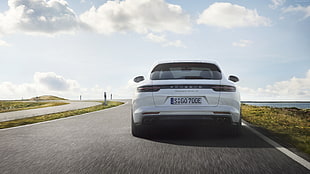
(186, 71)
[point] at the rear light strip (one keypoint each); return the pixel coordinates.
(224, 88)
(150, 113)
(217, 88)
(148, 88)
(221, 112)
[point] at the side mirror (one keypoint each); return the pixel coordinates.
(233, 78)
(138, 79)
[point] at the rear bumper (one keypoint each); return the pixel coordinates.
(210, 120)
(179, 115)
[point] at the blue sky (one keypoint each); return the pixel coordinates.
(84, 47)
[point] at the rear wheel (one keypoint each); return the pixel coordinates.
(236, 129)
(137, 130)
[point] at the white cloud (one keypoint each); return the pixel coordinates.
(38, 17)
(8, 20)
(44, 83)
(54, 82)
(9, 90)
(50, 17)
(228, 15)
(127, 91)
(50, 83)
(276, 3)
(298, 9)
(4, 43)
(176, 43)
(293, 89)
(138, 16)
(242, 43)
(164, 41)
(156, 38)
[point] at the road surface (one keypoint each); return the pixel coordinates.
(7, 116)
(101, 142)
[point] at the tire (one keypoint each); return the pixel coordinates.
(236, 129)
(137, 130)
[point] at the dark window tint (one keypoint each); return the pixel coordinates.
(186, 71)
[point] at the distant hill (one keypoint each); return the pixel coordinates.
(47, 97)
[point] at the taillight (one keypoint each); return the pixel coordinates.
(148, 88)
(224, 88)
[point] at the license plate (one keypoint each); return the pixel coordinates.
(185, 100)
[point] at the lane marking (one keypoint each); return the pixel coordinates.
(282, 149)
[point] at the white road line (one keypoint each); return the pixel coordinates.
(65, 118)
(72, 105)
(282, 149)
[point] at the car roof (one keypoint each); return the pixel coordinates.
(187, 61)
(184, 61)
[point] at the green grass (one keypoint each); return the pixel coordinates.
(291, 125)
(47, 97)
(48, 117)
(8, 106)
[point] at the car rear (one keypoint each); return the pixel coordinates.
(186, 92)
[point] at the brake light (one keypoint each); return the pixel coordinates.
(148, 88)
(221, 112)
(224, 88)
(150, 113)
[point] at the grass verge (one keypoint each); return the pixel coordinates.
(291, 125)
(48, 117)
(8, 106)
(46, 97)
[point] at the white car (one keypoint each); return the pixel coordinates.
(194, 92)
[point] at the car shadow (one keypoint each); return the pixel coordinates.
(206, 137)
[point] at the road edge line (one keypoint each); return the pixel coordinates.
(43, 122)
(282, 149)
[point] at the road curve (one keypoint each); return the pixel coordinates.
(100, 142)
(7, 116)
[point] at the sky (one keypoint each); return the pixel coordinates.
(70, 48)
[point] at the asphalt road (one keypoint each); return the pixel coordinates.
(101, 142)
(72, 105)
